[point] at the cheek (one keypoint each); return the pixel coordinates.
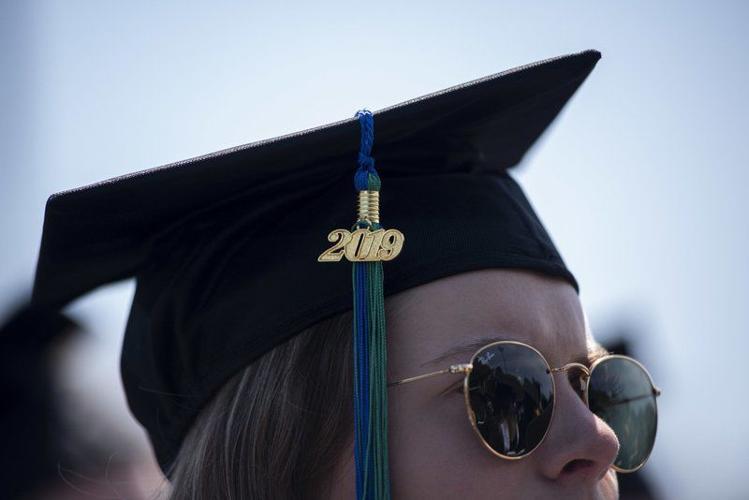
(609, 486)
(434, 452)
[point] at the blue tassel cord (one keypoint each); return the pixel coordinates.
(370, 348)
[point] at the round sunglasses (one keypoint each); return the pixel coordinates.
(509, 392)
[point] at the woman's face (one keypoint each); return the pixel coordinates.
(434, 452)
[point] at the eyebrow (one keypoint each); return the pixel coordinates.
(594, 352)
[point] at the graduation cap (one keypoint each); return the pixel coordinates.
(224, 247)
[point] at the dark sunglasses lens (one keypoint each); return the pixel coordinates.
(510, 392)
(620, 392)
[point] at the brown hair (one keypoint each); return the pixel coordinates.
(278, 428)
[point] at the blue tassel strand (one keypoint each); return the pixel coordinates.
(370, 348)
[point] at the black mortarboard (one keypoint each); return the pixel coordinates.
(224, 246)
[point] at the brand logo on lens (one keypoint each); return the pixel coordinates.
(486, 357)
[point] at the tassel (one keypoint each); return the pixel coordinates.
(370, 347)
(367, 245)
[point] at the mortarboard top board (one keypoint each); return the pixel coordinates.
(224, 246)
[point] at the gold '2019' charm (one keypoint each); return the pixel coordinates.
(363, 245)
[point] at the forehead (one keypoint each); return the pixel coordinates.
(448, 319)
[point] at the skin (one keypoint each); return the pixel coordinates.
(434, 452)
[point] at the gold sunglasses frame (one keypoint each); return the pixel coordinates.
(466, 368)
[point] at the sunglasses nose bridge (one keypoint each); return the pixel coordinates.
(584, 376)
(584, 369)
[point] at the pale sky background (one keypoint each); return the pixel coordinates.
(642, 180)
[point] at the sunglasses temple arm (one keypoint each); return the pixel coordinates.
(459, 368)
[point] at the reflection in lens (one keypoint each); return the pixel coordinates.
(621, 394)
(510, 391)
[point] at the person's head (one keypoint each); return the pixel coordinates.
(236, 364)
(282, 428)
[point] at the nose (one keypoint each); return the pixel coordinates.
(579, 447)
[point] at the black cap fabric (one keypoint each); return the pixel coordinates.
(224, 246)
(31, 426)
